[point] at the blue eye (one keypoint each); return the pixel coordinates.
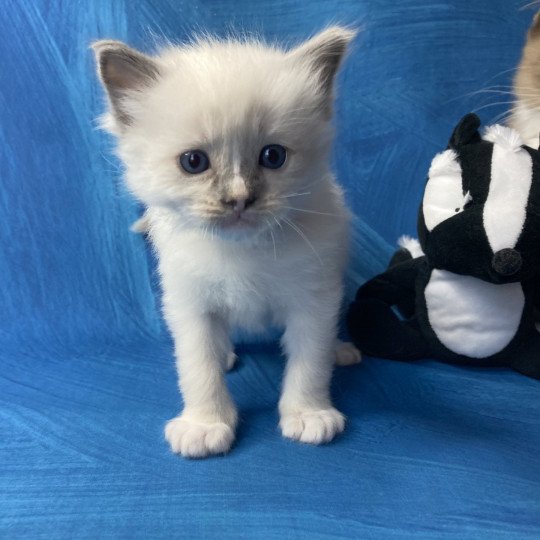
(272, 156)
(194, 161)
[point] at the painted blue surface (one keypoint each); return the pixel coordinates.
(86, 371)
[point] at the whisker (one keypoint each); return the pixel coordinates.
(295, 195)
(117, 168)
(503, 117)
(278, 222)
(513, 102)
(309, 211)
(275, 219)
(303, 236)
(504, 72)
(273, 239)
(508, 86)
(530, 4)
(492, 91)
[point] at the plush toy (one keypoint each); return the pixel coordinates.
(469, 291)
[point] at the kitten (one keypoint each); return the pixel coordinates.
(525, 117)
(227, 145)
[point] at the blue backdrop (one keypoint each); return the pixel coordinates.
(86, 370)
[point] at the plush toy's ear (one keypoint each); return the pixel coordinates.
(466, 132)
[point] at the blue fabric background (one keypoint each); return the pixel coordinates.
(86, 370)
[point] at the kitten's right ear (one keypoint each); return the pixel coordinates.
(122, 71)
(323, 55)
(466, 132)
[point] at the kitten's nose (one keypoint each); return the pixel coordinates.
(240, 204)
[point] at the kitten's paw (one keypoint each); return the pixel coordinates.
(347, 354)
(198, 439)
(314, 427)
(230, 362)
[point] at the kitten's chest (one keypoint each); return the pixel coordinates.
(252, 284)
(251, 294)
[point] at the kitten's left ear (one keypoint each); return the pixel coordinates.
(323, 54)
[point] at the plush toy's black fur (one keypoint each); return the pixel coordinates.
(390, 318)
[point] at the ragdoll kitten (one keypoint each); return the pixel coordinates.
(525, 116)
(227, 144)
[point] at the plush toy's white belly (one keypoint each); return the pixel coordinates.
(472, 317)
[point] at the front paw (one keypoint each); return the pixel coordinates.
(312, 426)
(195, 439)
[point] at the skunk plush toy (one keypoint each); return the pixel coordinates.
(469, 292)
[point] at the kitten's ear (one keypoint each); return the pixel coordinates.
(323, 53)
(123, 71)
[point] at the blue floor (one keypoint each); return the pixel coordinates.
(87, 376)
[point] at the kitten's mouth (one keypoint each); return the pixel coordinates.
(239, 221)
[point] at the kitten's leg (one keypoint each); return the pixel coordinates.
(305, 406)
(206, 425)
(346, 353)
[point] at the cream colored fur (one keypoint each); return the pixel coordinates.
(525, 117)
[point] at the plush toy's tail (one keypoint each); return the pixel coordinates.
(409, 248)
(412, 245)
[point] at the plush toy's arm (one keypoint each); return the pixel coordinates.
(373, 325)
(396, 285)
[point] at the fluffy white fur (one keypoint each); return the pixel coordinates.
(444, 191)
(505, 209)
(471, 316)
(282, 260)
(412, 245)
(506, 137)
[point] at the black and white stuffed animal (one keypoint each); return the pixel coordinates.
(469, 292)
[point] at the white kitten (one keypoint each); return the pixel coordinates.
(227, 144)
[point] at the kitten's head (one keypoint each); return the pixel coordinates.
(223, 132)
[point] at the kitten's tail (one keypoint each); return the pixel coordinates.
(412, 245)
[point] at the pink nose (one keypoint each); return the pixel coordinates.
(238, 205)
